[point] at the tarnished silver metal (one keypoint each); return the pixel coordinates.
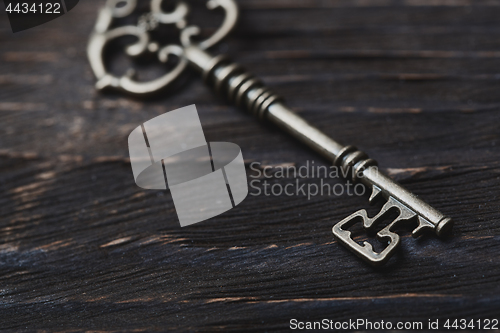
(240, 87)
(407, 206)
(104, 33)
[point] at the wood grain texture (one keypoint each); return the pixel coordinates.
(413, 83)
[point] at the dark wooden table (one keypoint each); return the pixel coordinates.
(416, 84)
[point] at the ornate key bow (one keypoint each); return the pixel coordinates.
(248, 92)
(103, 34)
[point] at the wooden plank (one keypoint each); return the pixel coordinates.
(412, 83)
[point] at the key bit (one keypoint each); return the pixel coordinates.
(233, 82)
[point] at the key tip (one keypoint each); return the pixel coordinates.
(444, 226)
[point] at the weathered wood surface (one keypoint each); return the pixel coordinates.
(413, 83)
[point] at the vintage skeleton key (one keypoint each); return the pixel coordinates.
(245, 90)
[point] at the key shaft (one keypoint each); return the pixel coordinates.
(239, 86)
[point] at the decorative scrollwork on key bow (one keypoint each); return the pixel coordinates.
(104, 34)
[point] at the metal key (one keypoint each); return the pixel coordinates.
(239, 86)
